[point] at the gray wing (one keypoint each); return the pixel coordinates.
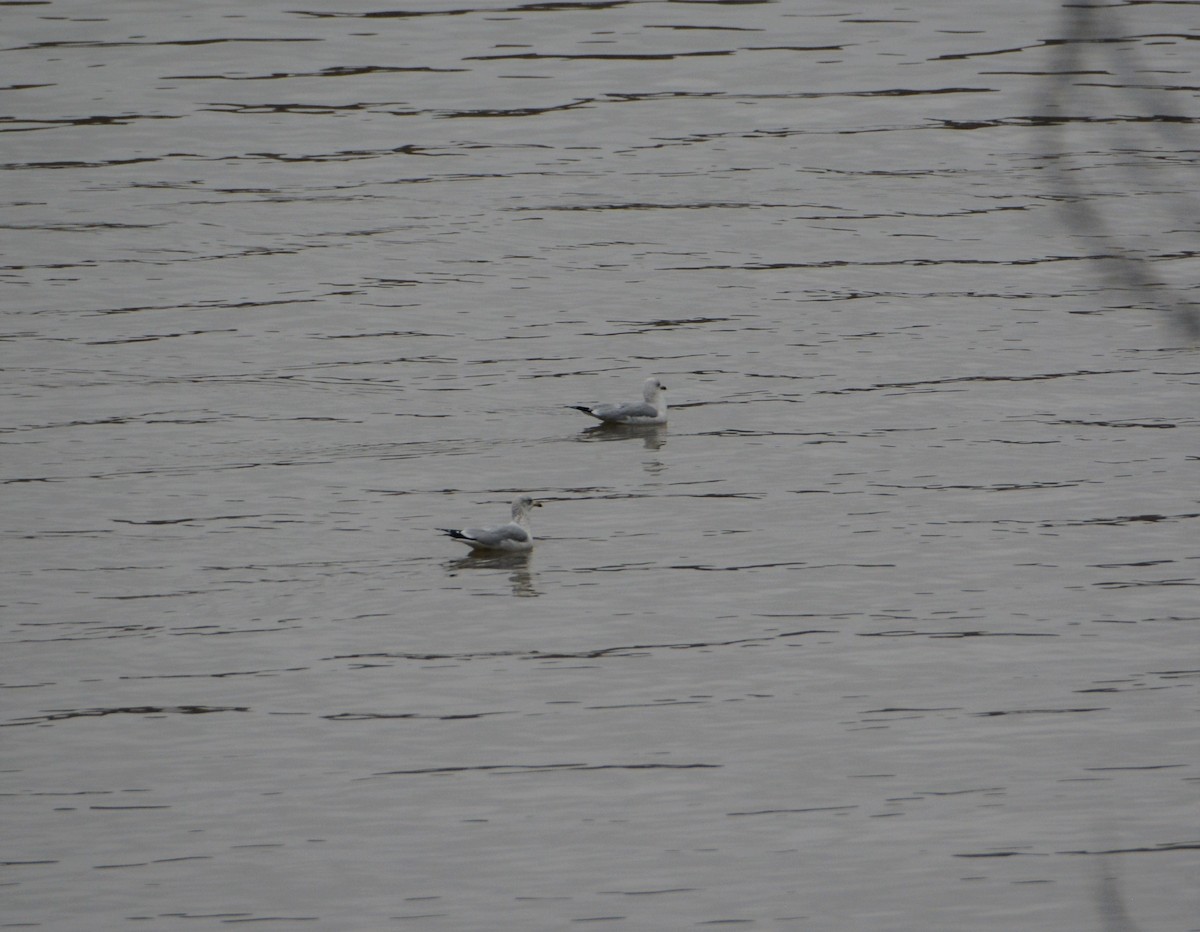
(496, 536)
(623, 412)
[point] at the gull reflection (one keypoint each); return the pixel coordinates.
(653, 436)
(517, 564)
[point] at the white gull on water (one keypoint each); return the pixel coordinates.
(651, 411)
(514, 536)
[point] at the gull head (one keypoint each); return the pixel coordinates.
(521, 505)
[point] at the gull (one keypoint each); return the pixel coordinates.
(514, 536)
(651, 411)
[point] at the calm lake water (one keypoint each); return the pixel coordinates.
(892, 628)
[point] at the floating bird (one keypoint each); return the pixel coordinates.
(651, 411)
(514, 536)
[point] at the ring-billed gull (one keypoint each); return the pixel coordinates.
(651, 411)
(513, 536)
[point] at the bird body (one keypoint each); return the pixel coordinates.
(515, 536)
(653, 410)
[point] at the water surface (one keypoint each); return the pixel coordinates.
(892, 627)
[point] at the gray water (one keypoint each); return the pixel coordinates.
(892, 627)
